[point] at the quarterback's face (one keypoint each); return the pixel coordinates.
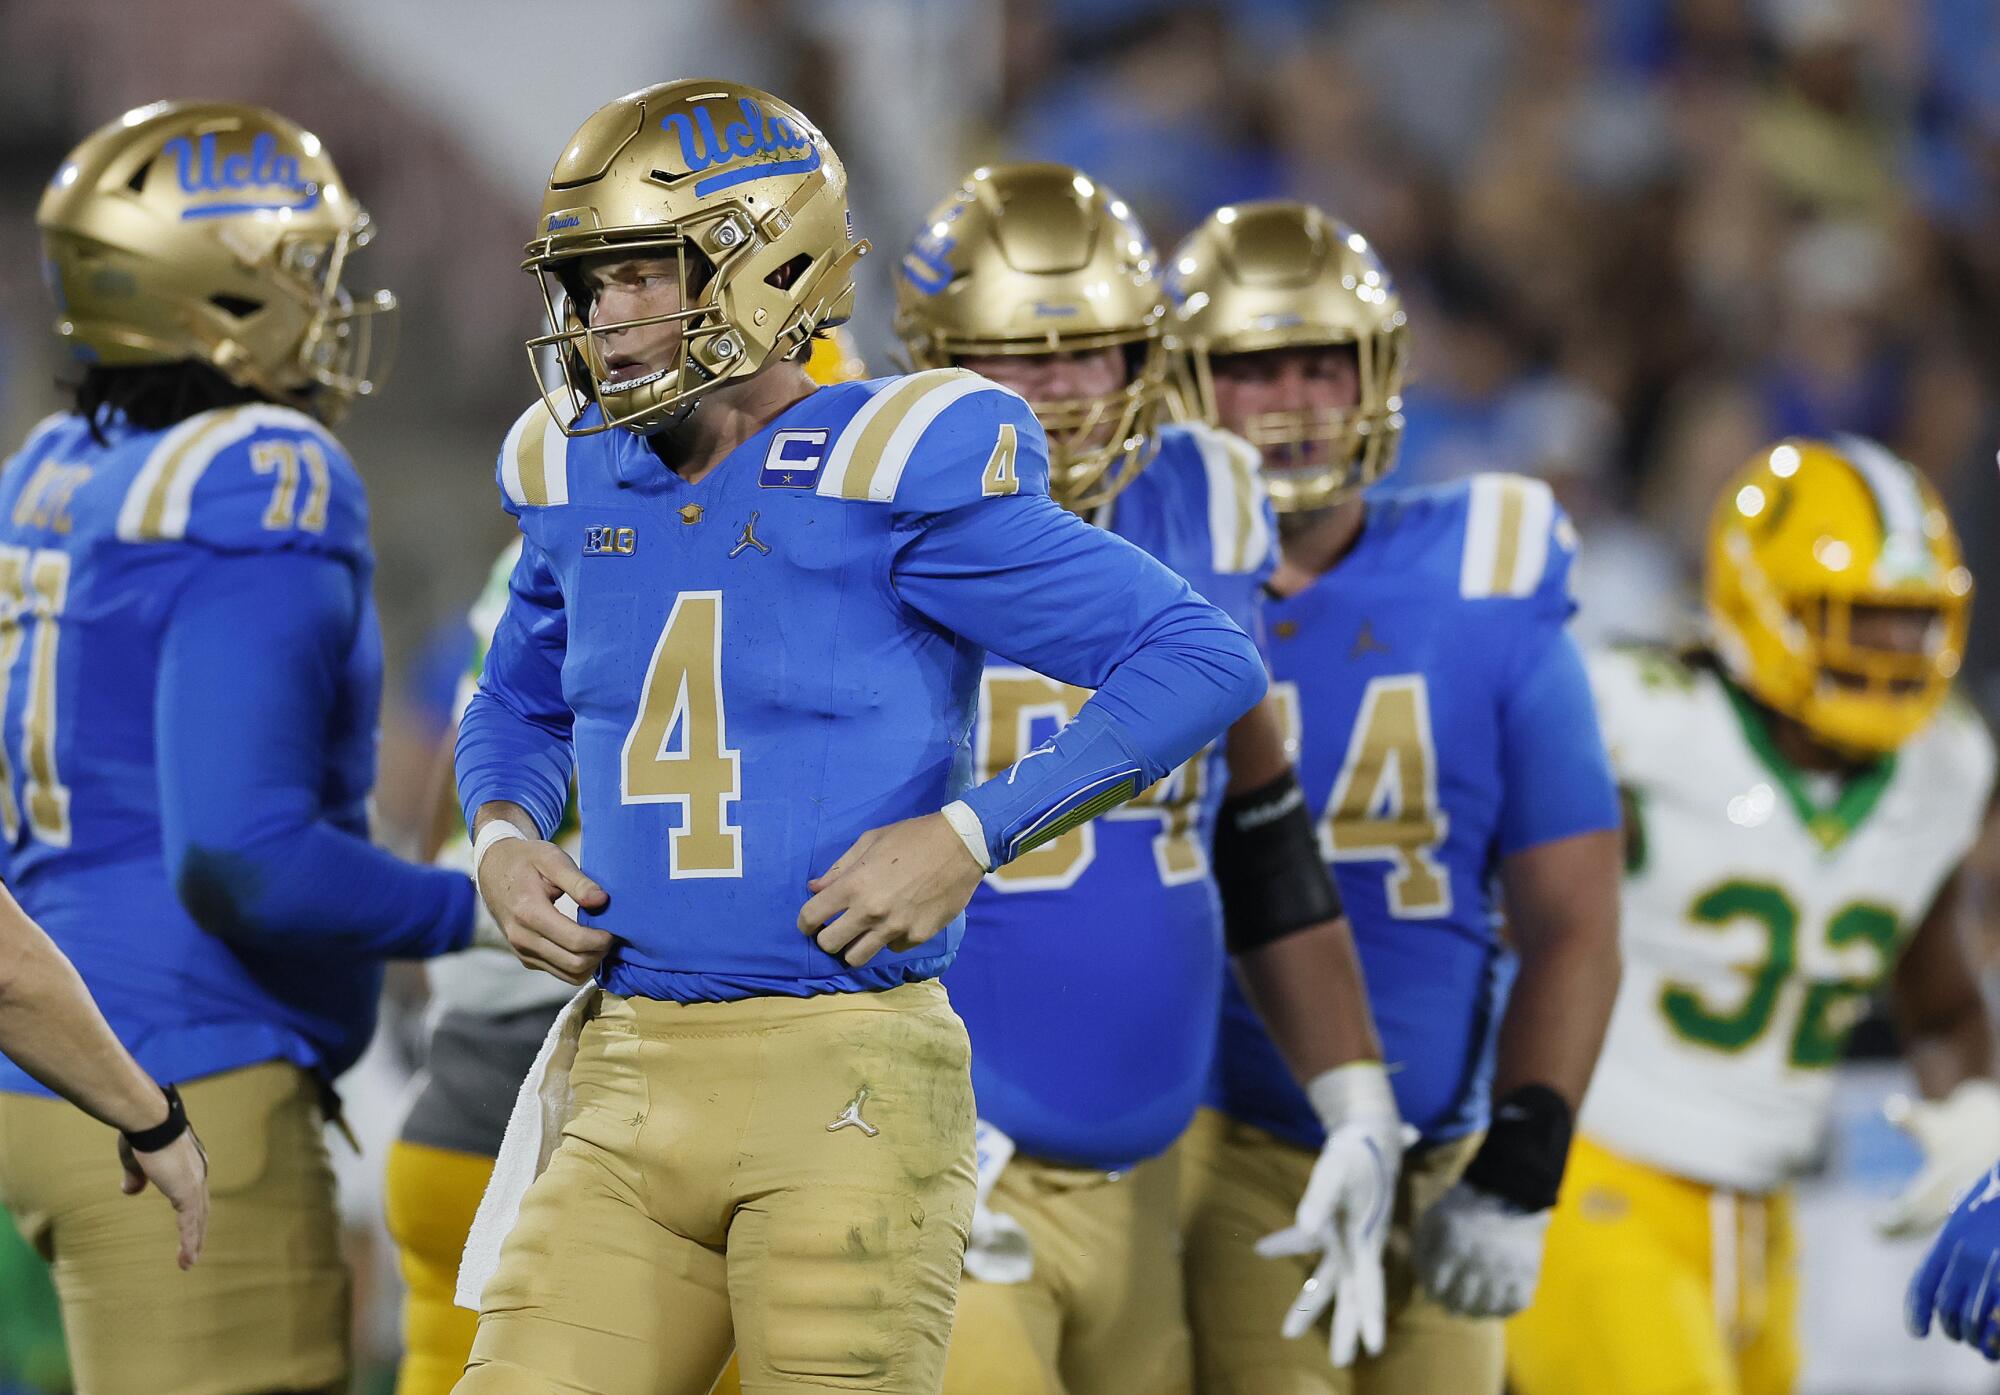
(625, 288)
(1045, 380)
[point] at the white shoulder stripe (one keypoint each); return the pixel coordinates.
(534, 459)
(1507, 524)
(1239, 532)
(870, 454)
(161, 495)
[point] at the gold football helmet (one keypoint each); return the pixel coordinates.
(217, 232)
(1258, 276)
(1808, 538)
(743, 193)
(1039, 259)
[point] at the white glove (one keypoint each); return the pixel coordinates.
(1480, 1256)
(1344, 1215)
(998, 1251)
(1959, 1136)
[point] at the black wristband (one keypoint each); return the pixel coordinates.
(1268, 866)
(160, 1135)
(1526, 1146)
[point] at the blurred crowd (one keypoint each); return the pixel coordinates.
(1637, 238)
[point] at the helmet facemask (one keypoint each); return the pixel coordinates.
(1313, 458)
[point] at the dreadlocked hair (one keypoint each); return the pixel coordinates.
(155, 396)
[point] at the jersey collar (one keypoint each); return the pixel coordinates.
(1829, 824)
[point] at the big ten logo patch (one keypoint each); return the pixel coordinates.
(795, 459)
(608, 541)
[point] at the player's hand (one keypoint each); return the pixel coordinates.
(180, 1171)
(1344, 1215)
(1479, 1255)
(1959, 1280)
(1959, 1135)
(520, 881)
(895, 888)
(998, 1250)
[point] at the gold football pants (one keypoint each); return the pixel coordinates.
(433, 1194)
(1102, 1314)
(1238, 1184)
(1656, 1285)
(790, 1176)
(266, 1309)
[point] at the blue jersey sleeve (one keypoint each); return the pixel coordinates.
(253, 665)
(256, 478)
(1555, 776)
(1004, 566)
(514, 737)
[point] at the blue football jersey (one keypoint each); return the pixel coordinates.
(759, 667)
(96, 542)
(1444, 722)
(1092, 968)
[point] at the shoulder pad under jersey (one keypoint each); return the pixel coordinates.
(253, 478)
(1519, 544)
(931, 441)
(1242, 528)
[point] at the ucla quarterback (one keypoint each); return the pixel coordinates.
(1455, 775)
(488, 1016)
(1093, 967)
(1800, 796)
(191, 674)
(756, 612)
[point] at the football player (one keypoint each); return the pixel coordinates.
(1091, 976)
(1799, 798)
(488, 1017)
(759, 610)
(1455, 776)
(191, 673)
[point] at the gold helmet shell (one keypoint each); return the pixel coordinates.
(1281, 275)
(744, 192)
(215, 232)
(1039, 259)
(1804, 534)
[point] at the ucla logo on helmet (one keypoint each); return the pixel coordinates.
(702, 147)
(229, 178)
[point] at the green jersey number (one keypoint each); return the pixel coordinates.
(1832, 1006)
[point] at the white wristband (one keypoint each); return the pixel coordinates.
(497, 831)
(965, 823)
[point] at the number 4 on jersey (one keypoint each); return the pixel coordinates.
(678, 751)
(1384, 805)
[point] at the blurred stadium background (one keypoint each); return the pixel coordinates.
(1637, 238)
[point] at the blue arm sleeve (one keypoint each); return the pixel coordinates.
(514, 739)
(1556, 778)
(1026, 579)
(252, 666)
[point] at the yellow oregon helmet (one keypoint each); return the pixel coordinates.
(1806, 535)
(1275, 275)
(219, 233)
(1037, 259)
(749, 198)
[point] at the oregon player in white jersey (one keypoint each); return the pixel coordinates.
(1799, 801)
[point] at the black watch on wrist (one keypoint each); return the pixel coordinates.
(160, 1135)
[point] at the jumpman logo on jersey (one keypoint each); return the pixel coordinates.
(850, 1117)
(750, 539)
(1365, 643)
